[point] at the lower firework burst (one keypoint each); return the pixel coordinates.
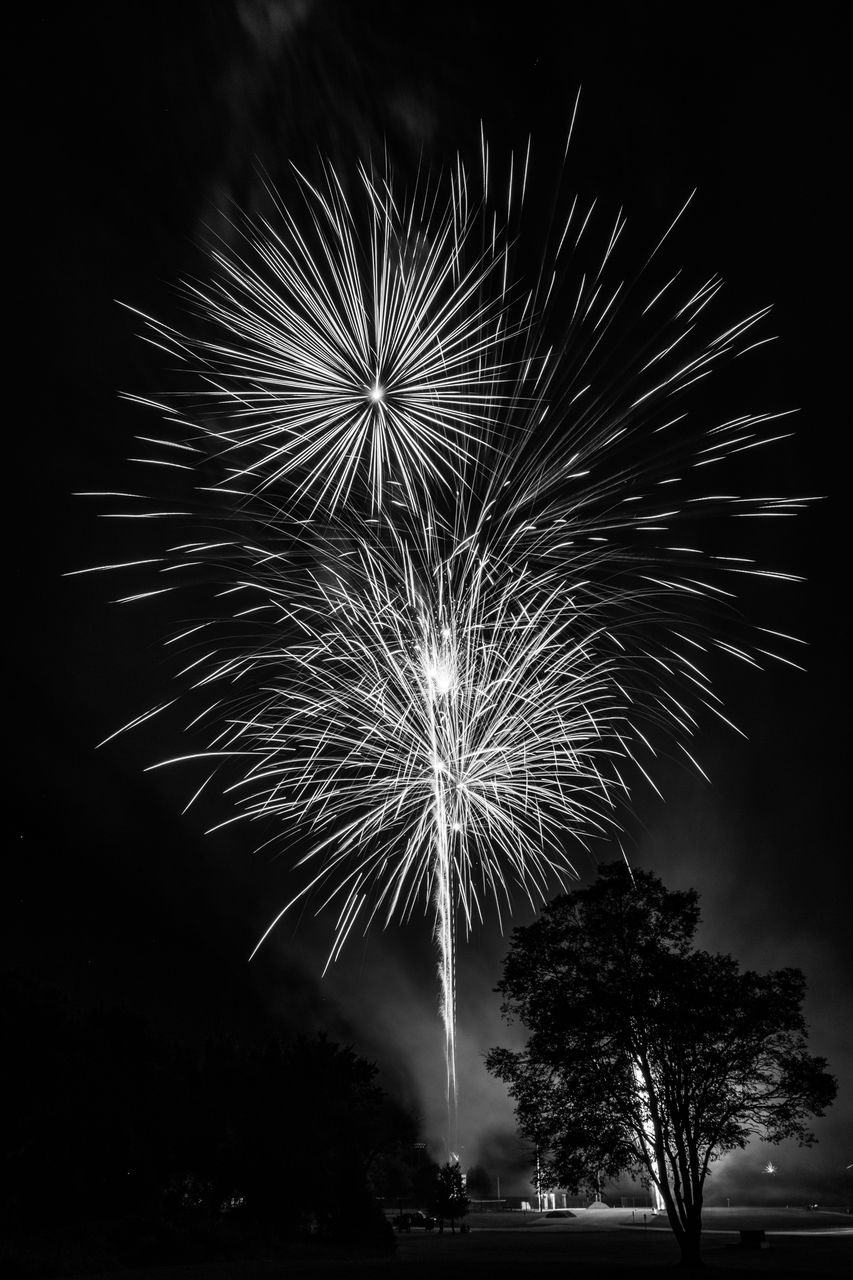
(441, 727)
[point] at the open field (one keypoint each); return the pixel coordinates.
(598, 1245)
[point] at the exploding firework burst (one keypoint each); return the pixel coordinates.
(462, 614)
(349, 343)
(441, 729)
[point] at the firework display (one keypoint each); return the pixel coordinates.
(429, 504)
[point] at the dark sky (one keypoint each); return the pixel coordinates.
(140, 120)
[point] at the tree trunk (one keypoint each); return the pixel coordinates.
(690, 1241)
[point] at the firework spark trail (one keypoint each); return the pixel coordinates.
(446, 521)
(439, 678)
(446, 939)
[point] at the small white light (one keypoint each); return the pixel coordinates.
(377, 393)
(442, 678)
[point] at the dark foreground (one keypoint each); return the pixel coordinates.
(599, 1245)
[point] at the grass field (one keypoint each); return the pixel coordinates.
(600, 1245)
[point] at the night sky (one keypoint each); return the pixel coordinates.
(142, 120)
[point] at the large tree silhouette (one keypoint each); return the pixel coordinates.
(644, 1055)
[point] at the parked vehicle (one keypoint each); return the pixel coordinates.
(406, 1221)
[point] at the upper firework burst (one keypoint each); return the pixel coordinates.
(350, 348)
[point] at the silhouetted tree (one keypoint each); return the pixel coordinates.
(91, 1113)
(449, 1199)
(645, 1055)
(400, 1170)
(106, 1122)
(297, 1125)
(479, 1183)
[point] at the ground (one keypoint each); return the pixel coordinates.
(610, 1243)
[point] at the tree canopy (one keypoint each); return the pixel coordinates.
(174, 1149)
(449, 1198)
(646, 1056)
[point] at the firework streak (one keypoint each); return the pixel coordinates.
(426, 518)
